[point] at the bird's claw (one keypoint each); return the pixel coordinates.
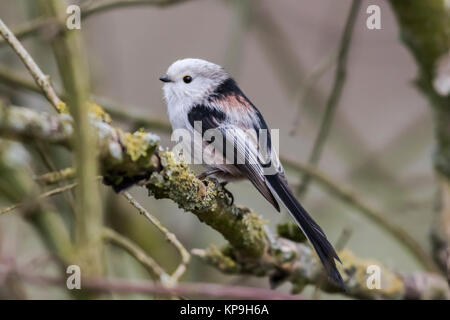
(216, 182)
(228, 193)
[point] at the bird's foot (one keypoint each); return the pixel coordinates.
(228, 193)
(207, 174)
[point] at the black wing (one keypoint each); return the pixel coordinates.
(212, 118)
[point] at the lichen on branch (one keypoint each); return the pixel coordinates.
(120, 153)
(251, 249)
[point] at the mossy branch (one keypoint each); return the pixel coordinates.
(333, 187)
(69, 53)
(252, 249)
(425, 30)
(124, 153)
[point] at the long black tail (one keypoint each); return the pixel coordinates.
(310, 228)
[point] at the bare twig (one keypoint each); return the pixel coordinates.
(148, 262)
(102, 6)
(48, 162)
(428, 41)
(30, 28)
(39, 77)
(33, 27)
(349, 196)
(251, 250)
(147, 287)
(74, 72)
(185, 256)
(310, 82)
(348, 145)
(56, 176)
(114, 108)
(40, 197)
(333, 99)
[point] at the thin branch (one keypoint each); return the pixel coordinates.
(350, 197)
(30, 28)
(129, 153)
(339, 245)
(48, 162)
(241, 11)
(56, 176)
(348, 144)
(133, 249)
(70, 56)
(185, 256)
(310, 82)
(336, 92)
(147, 287)
(39, 77)
(102, 6)
(39, 197)
(109, 142)
(33, 27)
(115, 109)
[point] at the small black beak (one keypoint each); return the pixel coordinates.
(165, 78)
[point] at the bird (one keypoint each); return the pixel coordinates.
(201, 96)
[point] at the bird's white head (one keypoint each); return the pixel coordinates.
(189, 82)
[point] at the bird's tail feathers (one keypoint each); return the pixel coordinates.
(310, 228)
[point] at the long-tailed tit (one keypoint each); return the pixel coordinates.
(201, 96)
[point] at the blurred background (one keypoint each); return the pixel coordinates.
(283, 55)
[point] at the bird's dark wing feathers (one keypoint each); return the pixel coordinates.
(230, 87)
(310, 228)
(268, 185)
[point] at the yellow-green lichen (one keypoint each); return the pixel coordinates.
(208, 201)
(136, 144)
(62, 107)
(291, 231)
(98, 112)
(177, 182)
(356, 272)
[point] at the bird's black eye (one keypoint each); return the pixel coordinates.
(187, 79)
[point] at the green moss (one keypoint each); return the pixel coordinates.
(62, 108)
(240, 226)
(130, 157)
(291, 231)
(355, 272)
(136, 144)
(220, 260)
(425, 28)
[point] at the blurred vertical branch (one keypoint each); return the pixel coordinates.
(336, 92)
(240, 23)
(347, 143)
(425, 30)
(71, 61)
(335, 188)
(47, 222)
